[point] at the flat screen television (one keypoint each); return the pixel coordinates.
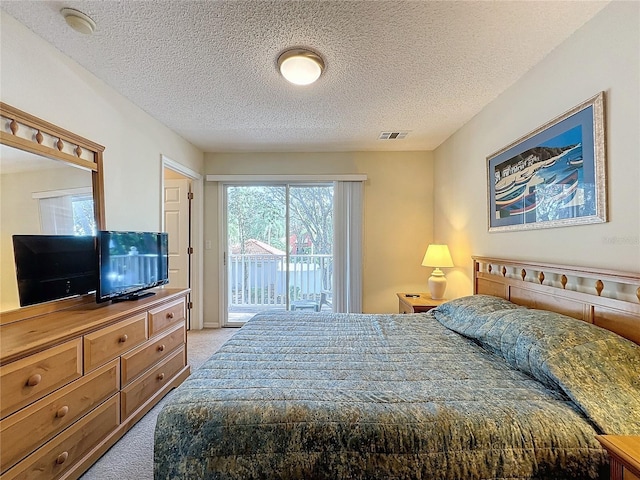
(130, 263)
(51, 267)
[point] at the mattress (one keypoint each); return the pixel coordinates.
(300, 395)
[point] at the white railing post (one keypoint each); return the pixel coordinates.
(260, 280)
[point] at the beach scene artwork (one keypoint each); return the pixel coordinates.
(544, 183)
(554, 176)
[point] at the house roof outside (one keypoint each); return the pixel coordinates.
(256, 247)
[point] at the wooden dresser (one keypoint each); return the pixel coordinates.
(74, 381)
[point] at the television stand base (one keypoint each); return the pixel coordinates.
(133, 296)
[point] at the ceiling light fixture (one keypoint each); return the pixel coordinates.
(300, 66)
(78, 21)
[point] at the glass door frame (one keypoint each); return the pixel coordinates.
(223, 237)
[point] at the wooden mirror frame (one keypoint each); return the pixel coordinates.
(85, 154)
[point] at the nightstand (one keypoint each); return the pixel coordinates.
(624, 455)
(422, 303)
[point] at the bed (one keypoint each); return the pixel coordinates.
(513, 382)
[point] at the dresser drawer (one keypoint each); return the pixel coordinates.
(139, 359)
(25, 381)
(55, 412)
(110, 342)
(165, 316)
(139, 391)
(54, 458)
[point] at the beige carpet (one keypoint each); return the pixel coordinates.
(132, 457)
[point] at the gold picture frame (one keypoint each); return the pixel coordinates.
(554, 176)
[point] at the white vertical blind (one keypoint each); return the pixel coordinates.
(56, 215)
(347, 255)
(56, 209)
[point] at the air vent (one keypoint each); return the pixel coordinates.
(392, 135)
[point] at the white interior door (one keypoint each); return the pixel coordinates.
(176, 222)
(186, 218)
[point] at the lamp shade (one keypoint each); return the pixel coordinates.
(437, 256)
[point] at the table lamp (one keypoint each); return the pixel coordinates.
(437, 256)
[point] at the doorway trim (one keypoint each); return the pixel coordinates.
(197, 221)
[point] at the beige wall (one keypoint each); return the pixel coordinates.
(398, 215)
(403, 213)
(38, 79)
(604, 55)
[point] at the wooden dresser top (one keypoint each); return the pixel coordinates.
(24, 337)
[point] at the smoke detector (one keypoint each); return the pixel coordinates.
(78, 21)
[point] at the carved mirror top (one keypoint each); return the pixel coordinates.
(44, 143)
(32, 134)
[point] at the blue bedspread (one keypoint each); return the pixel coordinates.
(344, 396)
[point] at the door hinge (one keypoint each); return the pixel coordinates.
(189, 250)
(224, 259)
(189, 195)
(189, 305)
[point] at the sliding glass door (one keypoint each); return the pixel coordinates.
(279, 249)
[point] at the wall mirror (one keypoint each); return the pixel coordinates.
(50, 183)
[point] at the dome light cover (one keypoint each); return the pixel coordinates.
(300, 67)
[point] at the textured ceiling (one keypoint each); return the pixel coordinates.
(207, 69)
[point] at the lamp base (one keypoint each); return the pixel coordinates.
(437, 284)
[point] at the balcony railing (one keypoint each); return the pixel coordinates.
(128, 270)
(261, 280)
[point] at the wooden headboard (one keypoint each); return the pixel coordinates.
(607, 298)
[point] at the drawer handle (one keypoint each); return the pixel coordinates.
(161, 348)
(123, 338)
(170, 315)
(62, 458)
(161, 376)
(62, 411)
(34, 380)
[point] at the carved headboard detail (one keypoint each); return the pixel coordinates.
(607, 298)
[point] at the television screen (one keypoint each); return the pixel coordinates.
(51, 267)
(131, 262)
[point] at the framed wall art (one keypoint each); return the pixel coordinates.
(554, 176)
